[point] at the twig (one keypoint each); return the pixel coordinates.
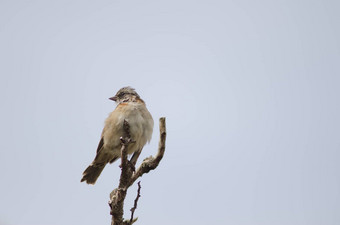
(136, 200)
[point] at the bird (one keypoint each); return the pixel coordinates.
(132, 109)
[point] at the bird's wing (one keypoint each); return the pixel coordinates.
(100, 145)
(101, 153)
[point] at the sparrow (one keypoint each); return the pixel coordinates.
(132, 108)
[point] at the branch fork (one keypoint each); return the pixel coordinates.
(129, 174)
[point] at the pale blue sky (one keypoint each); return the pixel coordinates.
(250, 89)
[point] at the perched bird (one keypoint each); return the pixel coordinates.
(132, 109)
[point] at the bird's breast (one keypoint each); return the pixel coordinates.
(140, 122)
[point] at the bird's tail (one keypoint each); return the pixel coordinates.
(91, 174)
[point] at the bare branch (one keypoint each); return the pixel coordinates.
(136, 200)
(128, 176)
(151, 162)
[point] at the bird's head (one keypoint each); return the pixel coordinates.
(125, 94)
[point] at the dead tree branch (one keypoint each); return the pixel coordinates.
(129, 175)
(136, 201)
(151, 162)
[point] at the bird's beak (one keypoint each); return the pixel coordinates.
(114, 98)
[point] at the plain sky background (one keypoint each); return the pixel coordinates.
(250, 90)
